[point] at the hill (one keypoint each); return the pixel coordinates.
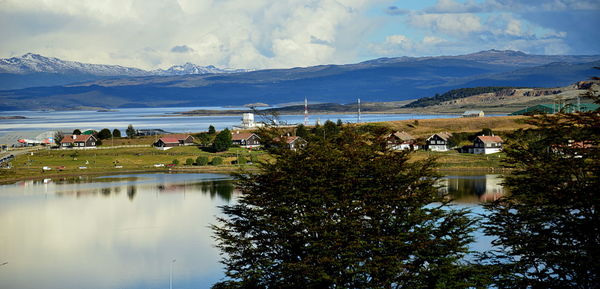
(380, 80)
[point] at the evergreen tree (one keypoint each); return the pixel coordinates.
(211, 130)
(301, 131)
(116, 133)
(104, 134)
(77, 132)
(331, 129)
(346, 213)
(547, 230)
(222, 141)
(130, 131)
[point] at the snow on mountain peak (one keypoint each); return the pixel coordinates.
(35, 63)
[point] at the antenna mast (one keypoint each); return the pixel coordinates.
(305, 111)
(358, 116)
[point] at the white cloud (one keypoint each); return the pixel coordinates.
(232, 33)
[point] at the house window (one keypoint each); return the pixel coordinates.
(93, 143)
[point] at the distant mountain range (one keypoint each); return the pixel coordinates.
(32, 70)
(384, 79)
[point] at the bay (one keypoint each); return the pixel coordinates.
(152, 118)
(124, 231)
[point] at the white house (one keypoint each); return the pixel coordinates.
(438, 142)
(485, 144)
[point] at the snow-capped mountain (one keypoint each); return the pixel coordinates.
(190, 68)
(35, 63)
(32, 63)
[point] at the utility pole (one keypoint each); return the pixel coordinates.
(358, 116)
(305, 111)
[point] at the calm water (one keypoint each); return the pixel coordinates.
(124, 231)
(142, 118)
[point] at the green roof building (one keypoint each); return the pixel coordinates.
(554, 108)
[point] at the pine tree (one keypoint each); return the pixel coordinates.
(211, 130)
(130, 131)
(345, 213)
(222, 141)
(547, 230)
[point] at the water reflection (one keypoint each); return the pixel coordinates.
(123, 231)
(91, 234)
(473, 188)
(90, 186)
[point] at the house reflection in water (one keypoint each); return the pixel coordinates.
(224, 189)
(473, 188)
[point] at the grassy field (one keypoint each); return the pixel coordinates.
(104, 161)
(142, 159)
(426, 127)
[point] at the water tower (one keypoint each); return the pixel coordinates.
(248, 120)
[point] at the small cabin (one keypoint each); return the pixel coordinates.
(292, 142)
(79, 141)
(245, 139)
(174, 140)
(438, 142)
(473, 113)
(485, 144)
(401, 141)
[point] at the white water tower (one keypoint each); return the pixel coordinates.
(248, 120)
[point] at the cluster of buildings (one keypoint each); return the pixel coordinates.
(440, 142)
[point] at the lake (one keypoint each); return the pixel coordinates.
(125, 231)
(150, 118)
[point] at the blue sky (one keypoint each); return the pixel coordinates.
(288, 33)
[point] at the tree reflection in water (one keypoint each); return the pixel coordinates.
(223, 188)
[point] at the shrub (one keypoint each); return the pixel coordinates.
(189, 162)
(216, 161)
(202, 161)
(175, 161)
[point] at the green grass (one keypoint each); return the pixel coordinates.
(100, 161)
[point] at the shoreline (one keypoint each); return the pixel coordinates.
(227, 170)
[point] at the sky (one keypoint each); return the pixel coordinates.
(258, 34)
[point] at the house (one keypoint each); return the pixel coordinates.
(438, 142)
(79, 141)
(473, 113)
(245, 139)
(486, 144)
(401, 141)
(292, 142)
(174, 140)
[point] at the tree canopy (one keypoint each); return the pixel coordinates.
(547, 230)
(130, 131)
(116, 133)
(222, 141)
(104, 134)
(343, 212)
